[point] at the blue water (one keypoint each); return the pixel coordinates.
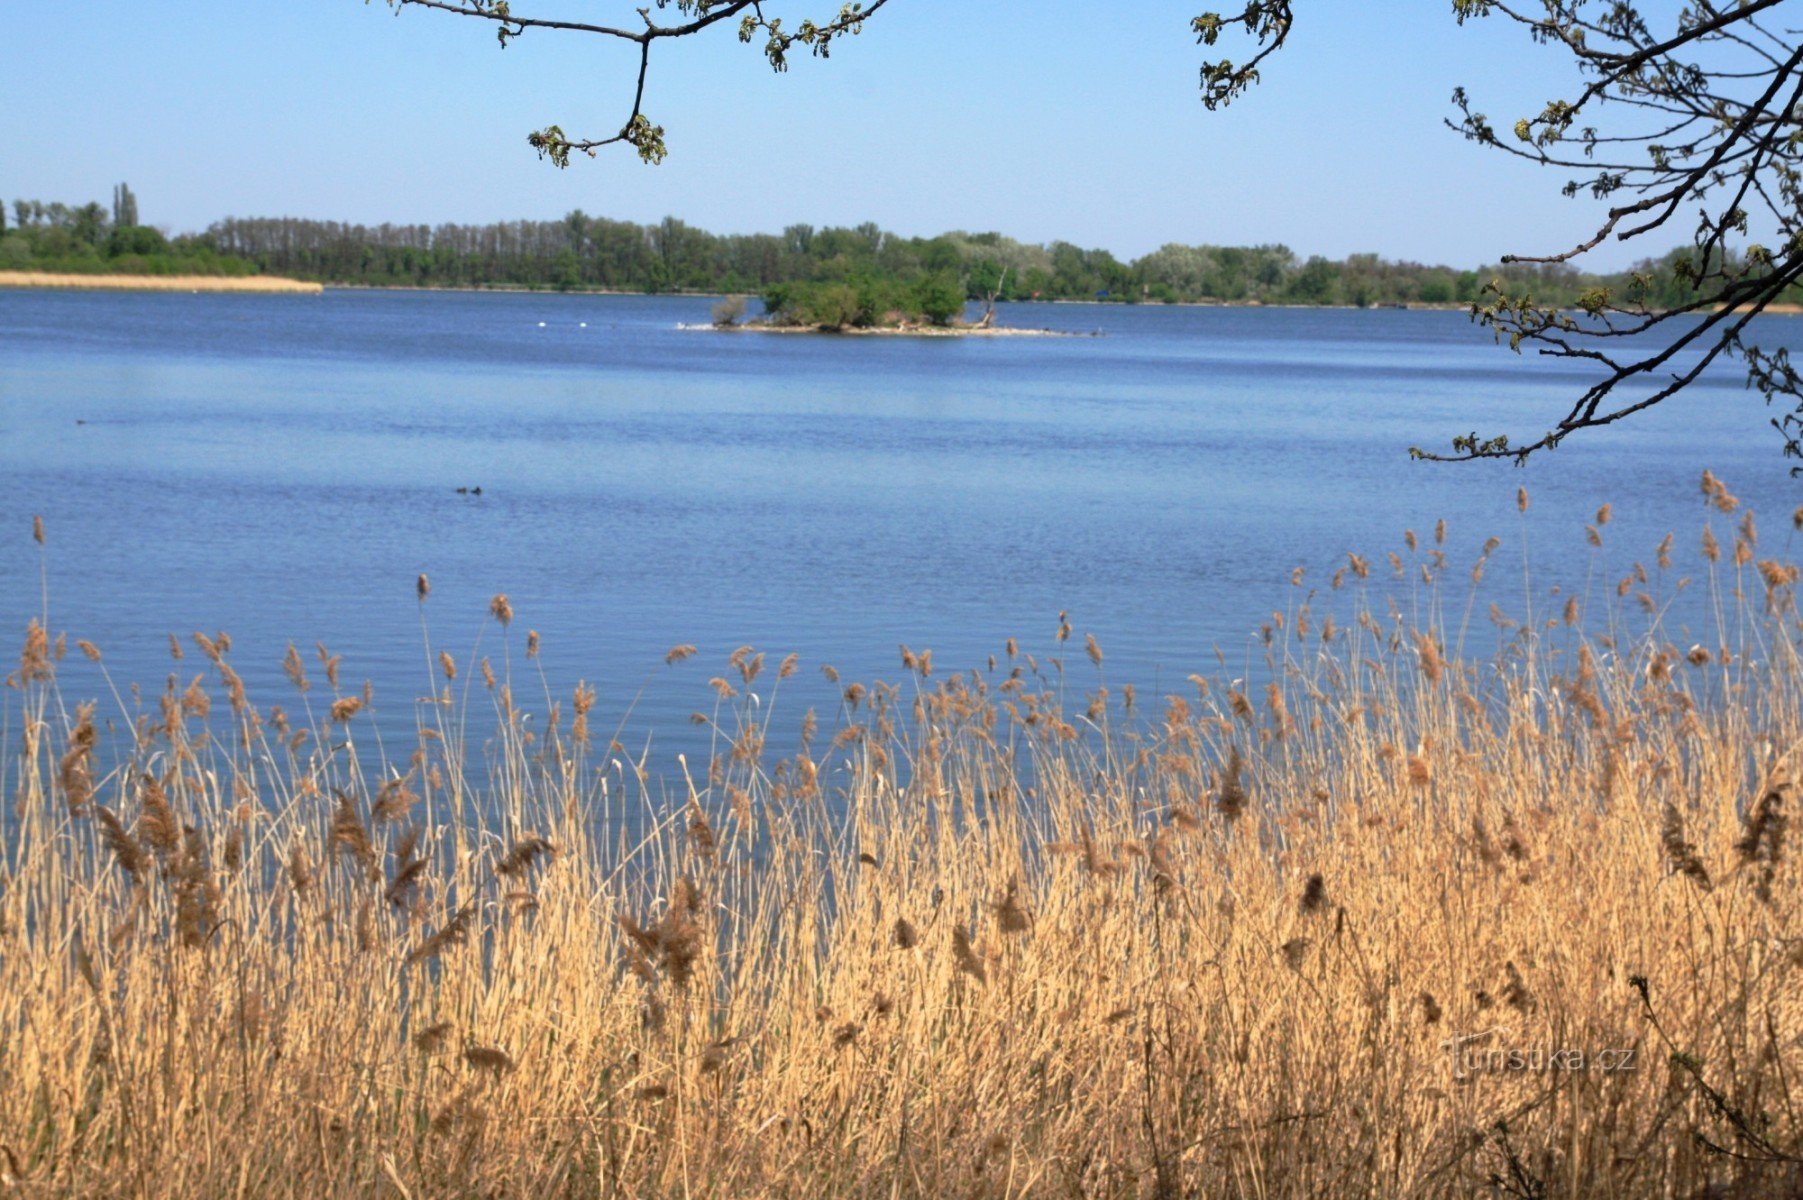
(282, 468)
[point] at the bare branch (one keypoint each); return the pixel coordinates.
(637, 130)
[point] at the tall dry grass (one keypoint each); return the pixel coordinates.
(158, 283)
(1411, 922)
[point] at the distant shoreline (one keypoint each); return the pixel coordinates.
(517, 289)
(248, 284)
(506, 289)
(280, 285)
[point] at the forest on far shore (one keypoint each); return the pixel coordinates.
(581, 252)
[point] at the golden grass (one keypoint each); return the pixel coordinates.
(158, 283)
(1417, 925)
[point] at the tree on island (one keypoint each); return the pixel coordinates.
(866, 300)
(1694, 110)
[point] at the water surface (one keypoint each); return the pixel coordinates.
(283, 467)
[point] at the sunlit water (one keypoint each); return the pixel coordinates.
(282, 468)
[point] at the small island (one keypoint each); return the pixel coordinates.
(926, 306)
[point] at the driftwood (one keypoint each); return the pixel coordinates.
(987, 320)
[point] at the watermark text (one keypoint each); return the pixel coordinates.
(1484, 1054)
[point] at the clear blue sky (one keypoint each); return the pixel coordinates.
(1073, 119)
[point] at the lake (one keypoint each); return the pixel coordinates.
(282, 469)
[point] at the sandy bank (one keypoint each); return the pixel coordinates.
(262, 284)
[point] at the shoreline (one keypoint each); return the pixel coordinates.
(244, 284)
(250, 283)
(282, 285)
(515, 289)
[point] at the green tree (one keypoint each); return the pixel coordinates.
(89, 224)
(832, 306)
(941, 254)
(566, 272)
(987, 277)
(1436, 289)
(134, 239)
(939, 297)
(125, 207)
(1316, 282)
(1179, 272)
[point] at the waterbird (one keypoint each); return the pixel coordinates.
(541, 324)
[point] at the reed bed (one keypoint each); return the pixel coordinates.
(1411, 921)
(264, 284)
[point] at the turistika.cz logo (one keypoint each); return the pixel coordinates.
(1480, 1054)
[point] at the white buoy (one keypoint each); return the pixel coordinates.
(541, 324)
(582, 324)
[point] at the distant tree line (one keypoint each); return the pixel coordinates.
(580, 252)
(835, 274)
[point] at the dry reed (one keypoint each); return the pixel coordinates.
(158, 283)
(1427, 924)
